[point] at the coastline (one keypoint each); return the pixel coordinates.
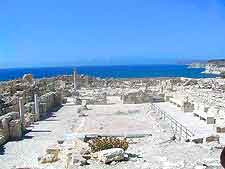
(211, 72)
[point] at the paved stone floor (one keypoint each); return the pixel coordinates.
(116, 119)
(25, 152)
(187, 119)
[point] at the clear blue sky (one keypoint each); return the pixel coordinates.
(103, 32)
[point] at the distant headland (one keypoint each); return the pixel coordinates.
(215, 66)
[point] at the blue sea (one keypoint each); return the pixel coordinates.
(139, 71)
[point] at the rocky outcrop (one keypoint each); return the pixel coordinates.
(215, 67)
(28, 78)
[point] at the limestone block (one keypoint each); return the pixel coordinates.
(78, 160)
(52, 154)
(15, 130)
(48, 158)
(110, 155)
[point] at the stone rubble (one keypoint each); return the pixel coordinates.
(202, 98)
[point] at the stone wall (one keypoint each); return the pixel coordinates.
(10, 127)
(49, 101)
(136, 98)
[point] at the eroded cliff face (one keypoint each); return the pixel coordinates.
(211, 67)
(214, 69)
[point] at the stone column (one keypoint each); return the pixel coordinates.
(36, 108)
(74, 80)
(21, 111)
(74, 86)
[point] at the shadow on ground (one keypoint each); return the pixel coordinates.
(2, 150)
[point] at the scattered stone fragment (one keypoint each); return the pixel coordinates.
(79, 160)
(107, 156)
(197, 140)
(48, 158)
(52, 155)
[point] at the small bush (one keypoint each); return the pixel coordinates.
(100, 144)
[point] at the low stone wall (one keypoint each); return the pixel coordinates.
(49, 101)
(92, 99)
(136, 98)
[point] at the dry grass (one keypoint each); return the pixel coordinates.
(100, 144)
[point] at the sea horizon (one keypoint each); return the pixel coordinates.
(97, 65)
(108, 71)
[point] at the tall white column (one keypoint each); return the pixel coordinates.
(36, 107)
(21, 111)
(74, 86)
